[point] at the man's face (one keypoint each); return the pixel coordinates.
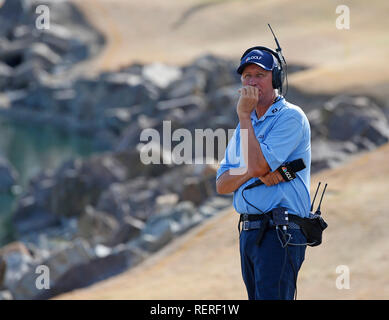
(254, 75)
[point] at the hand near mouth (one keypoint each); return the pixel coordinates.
(248, 100)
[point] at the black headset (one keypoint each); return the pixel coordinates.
(278, 73)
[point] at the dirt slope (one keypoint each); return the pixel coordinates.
(204, 264)
(176, 32)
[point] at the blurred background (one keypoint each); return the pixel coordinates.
(81, 79)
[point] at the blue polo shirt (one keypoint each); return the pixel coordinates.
(284, 134)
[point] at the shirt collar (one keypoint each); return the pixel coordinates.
(271, 111)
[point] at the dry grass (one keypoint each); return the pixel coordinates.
(204, 264)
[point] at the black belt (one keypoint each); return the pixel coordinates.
(253, 221)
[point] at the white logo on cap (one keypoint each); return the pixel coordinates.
(254, 57)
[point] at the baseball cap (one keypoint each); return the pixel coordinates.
(261, 58)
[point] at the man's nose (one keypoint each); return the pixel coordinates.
(251, 82)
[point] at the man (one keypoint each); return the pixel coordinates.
(273, 132)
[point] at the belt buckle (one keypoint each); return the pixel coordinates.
(246, 225)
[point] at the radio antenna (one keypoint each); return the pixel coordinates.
(314, 198)
(318, 208)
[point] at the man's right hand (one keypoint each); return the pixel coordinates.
(248, 101)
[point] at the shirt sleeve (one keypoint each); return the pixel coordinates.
(281, 141)
(232, 157)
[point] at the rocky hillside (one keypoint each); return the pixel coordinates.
(91, 219)
(204, 264)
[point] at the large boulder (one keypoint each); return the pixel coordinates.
(66, 192)
(15, 262)
(355, 119)
(161, 75)
(107, 229)
(58, 264)
(104, 263)
(11, 14)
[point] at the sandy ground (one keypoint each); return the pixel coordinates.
(204, 264)
(176, 32)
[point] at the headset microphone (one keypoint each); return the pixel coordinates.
(279, 50)
(284, 65)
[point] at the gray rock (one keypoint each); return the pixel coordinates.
(43, 54)
(132, 199)
(207, 210)
(166, 201)
(11, 53)
(29, 217)
(17, 261)
(194, 190)
(96, 226)
(327, 154)
(117, 119)
(29, 73)
(157, 233)
(184, 217)
(8, 175)
(220, 72)
(11, 13)
(5, 75)
(58, 264)
(77, 187)
(131, 158)
(98, 268)
(66, 192)
(161, 75)
(218, 202)
(127, 231)
(185, 103)
(5, 295)
(38, 100)
(104, 228)
(94, 97)
(349, 118)
(192, 82)
(222, 105)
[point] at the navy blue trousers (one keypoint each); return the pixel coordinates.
(267, 269)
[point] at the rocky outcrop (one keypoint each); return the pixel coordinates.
(346, 125)
(124, 209)
(91, 219)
